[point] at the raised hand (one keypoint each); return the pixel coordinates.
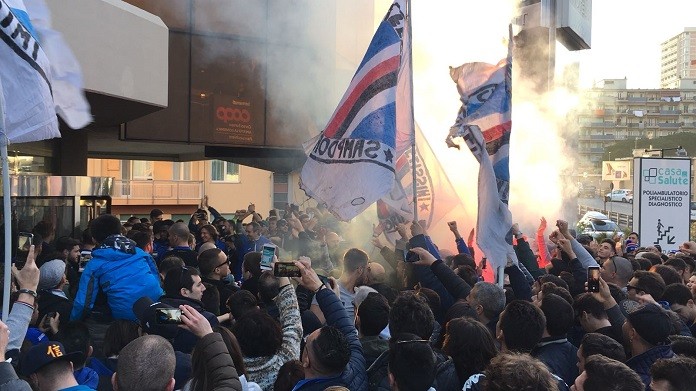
(562, 227)
(28, 277)
(194, 321)
(542, 225)
(424, 257)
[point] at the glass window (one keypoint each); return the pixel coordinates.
(141, 169)
(181, 171)
(222, 171)
(136, 170)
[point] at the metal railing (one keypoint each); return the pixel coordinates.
(623, 220)
(157, 190)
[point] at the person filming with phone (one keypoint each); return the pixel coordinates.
(184, 286)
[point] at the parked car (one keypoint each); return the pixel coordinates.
(599, 227)
(623, 195)
(595, 223)
(592, 215)
(587, 191)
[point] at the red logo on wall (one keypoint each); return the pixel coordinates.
(233, 120)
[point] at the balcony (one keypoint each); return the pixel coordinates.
(669, 124)
(670, 112)
(602, 137)
(139, 192)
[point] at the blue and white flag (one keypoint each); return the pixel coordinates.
(484, 123)
(435, 195)
(68, 86)
(351, 163)
(25, 77)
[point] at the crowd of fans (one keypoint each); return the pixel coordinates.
(154, 304)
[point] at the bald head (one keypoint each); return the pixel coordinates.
(332, 239)
(206, 246)
(617, 270)
(178, 235)
(146, 363)
(377, 273)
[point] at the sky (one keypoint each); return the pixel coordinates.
(626, 37)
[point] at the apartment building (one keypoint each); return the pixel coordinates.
(678, 58)
(178, 187)
(612, 112)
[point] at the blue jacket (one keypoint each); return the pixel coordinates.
(123, 272)
(426, 277)
(354, 377)
(560, 356)
(642, 362)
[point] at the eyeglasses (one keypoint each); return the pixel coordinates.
(227, 261)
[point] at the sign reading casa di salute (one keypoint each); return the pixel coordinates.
(661, 204)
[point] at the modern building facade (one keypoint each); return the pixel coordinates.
(612, 112)
(189, 95)
(678, 58)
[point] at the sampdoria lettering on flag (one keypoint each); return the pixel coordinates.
(66, 75)
(435, 195)
(25, 78)
(484, 125)
(351, 164)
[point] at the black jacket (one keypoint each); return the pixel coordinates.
(185, 340)
(446, 378)
(48, 302)
(226, 290)
(189, 256)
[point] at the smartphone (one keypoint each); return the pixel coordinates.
(593, 279)
(82, 263)
(411, 257)
(286, 269)
(267, 254)
(47, 321)
(25, 241)
(484, 261)
(168, 315)
(326, 281)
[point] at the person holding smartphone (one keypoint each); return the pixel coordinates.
(184, 286)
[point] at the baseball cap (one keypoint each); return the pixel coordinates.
(145, 310)
(651, 322)
(51, 273)
(46, 353)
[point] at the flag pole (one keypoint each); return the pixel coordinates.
(413, 121)
(6, 211)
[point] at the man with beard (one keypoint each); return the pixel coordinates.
(354, 274)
